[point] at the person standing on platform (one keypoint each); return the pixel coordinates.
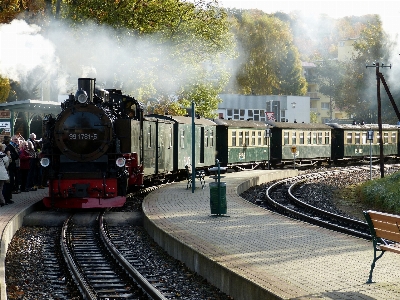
(12, 169)
(4, 161)
(24, 156)
(31, 183)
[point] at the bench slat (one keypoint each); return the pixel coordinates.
(387, 235)
(383, 217)
(392, 227)
(392, 248)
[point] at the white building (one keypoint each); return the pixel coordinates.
(260, 108)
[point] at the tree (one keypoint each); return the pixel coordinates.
(269, 62)
(358, 87)
(329, 75)
(4, 89)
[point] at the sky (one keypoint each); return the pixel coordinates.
(388, 10)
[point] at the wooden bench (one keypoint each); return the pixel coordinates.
(200, 175)
(385, 232)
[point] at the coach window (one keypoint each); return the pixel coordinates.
(364, 138)
(260, 139)
(320, 138)
(182, 138)
(233, 138)
(357, 138)
(393, 137)
(247, 138)
(385, 137)
(314, 138)
(294, 138)
(212, 138)
(253, 138)
(149, 138)
(286, 138)
(301, 138)
(240, 138)
(308, 138)
(206, 137)
(349, 138)
(170, 137)
(327, 137)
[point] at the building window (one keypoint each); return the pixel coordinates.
(325, 105)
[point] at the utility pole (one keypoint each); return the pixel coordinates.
(378, 96)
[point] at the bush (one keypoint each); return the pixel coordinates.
(382, 194)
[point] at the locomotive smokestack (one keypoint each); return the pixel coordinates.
(88, 85)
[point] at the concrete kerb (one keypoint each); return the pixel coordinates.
(223, 278)
(9, 230)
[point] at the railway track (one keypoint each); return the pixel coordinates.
(99, 268)
(286, 198)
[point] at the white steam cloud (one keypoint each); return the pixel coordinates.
(62, 55)
(24, 51)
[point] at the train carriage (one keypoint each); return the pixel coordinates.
(157, 148)
(307, 144)
(182, 142)
(241, 144)
(350, 143)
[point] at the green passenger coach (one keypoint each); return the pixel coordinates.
(242, 144)
(351, 143)
(302, 143)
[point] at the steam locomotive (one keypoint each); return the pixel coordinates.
(91, 150)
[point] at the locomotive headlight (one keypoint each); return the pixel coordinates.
(81, 96)
(45, 162)
(120, 162)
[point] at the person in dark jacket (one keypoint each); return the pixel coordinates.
(12, 169)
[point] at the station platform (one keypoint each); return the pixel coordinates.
(254, 254)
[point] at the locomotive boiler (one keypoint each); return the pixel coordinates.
(91, 151)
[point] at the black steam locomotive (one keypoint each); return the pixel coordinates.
(91, 150)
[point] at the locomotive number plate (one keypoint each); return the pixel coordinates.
(83, 136)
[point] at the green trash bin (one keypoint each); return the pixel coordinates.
(218, 198)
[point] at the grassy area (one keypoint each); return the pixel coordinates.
(382, 194)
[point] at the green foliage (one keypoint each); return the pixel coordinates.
(383, 193)
(4, 89)
(269, 62)
(358, 86)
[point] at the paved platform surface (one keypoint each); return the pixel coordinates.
(256, 254)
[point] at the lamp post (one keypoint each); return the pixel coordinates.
(370, 137)
(268, 135)
(193, 149)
